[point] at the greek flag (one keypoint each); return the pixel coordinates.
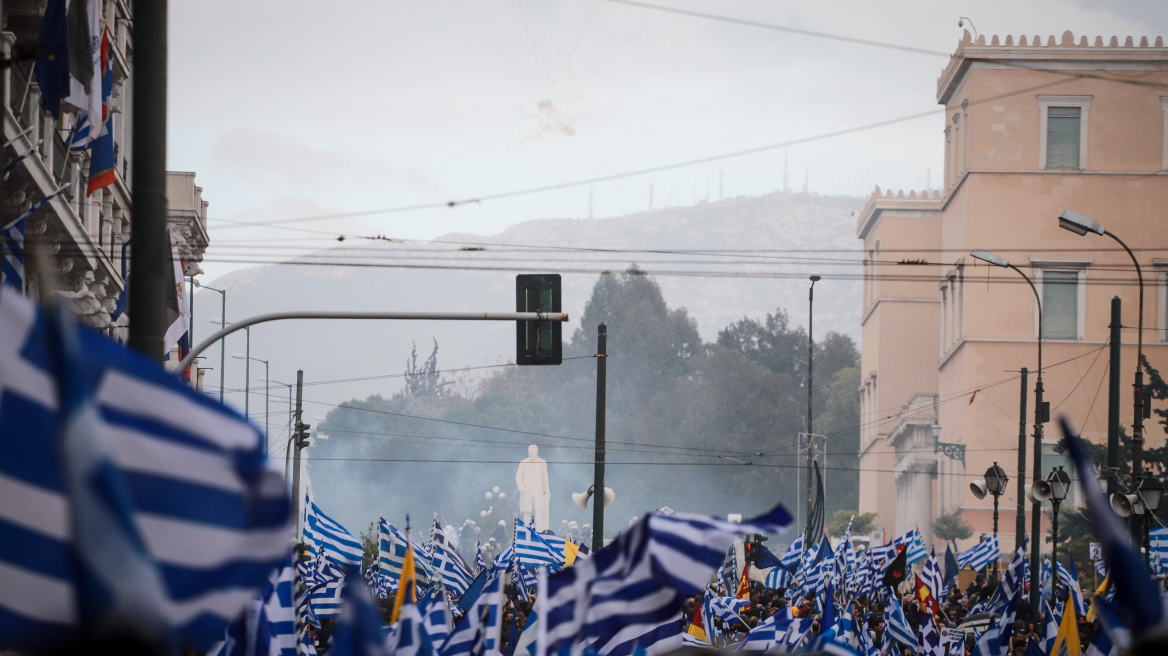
(929, 637)
(1071, 580)
(791, 556)
(321, 531)
(845, 557)
(1050, 627)
(450, 568)
(169, 493)
(392, 553)
(325, 597)
(1011, 581)
(504, 557)
(1113, 637)
(914, 547)
(410, 637)
(727, 608)
(436, 619)
(1158, 538)
(358, 630)
(879, 557)
(480, 564)
(278, 605)
(533, 549)
(777, 578)
(13, 265)
(931, 576)
(996, 640)
(981, 554)
(478, 632)
(630, 593)
(895, 625)
(769, 635)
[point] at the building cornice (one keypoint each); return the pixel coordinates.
(925, 205)
(1027, 55)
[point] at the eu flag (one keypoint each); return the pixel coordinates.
(52, 64)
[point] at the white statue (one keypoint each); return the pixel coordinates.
(534, 494)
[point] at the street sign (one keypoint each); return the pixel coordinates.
(1095, 550)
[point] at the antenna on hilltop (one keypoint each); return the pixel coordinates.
(961, 23)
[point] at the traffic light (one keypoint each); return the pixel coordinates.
(302, 435)
(538, 342)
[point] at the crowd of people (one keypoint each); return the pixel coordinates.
(954, 613)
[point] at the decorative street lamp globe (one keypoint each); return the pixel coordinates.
(996, 479)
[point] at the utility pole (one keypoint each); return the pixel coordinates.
(1115, 344)
(298, 442)
(810, 359)
(151, 270)
(598, 466)
(1020, 511)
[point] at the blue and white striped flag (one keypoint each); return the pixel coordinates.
(629, 594)
(1049, 629)
(728, 608)
(448, 566)
(410, 637)
(321, 531)
(895, 625)
(478, 632)
(768, 635)
(436, 619)
(392, 553)
(1158, 540)
(533, 549)
(325, 597)
(931, 576)
(791, 556)
(503, 560)
(280, 607)
(1071, 580)
(170, 493)
(914, 546)
(929, 636)
(879, 557)
(981, 554)
(480, 564)
(845, 558)
(777, 578)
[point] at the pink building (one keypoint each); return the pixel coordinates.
(1032, 129)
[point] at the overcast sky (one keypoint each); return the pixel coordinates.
(295, 109)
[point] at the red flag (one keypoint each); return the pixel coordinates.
(926, 598)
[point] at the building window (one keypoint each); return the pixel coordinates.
(1060, 304)
(1063, 138)
(1162, 301)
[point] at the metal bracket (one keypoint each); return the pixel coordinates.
(953, 451)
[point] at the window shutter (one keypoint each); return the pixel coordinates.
(1062, 137)
(1060, 304)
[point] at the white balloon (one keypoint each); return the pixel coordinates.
(489, 495)
(502, 523)
(495, 489)
(482, 513)
(502, 495)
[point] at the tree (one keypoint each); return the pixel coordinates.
(951, 526)
(369, 546)
(861, 525)
(840, 422)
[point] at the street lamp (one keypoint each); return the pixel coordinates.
(1060, 484)
(267, 394)
(1151, 492)
(1081, 224)
(810, 358)
(222, 318)
(994, 483)
(1040, 417)
(246, 367)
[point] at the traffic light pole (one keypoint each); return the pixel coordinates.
(598, 467)
(297, 443)
(400, 316)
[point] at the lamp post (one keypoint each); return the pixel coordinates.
(1151, 492)
(1060, 484)
(267, 394)
(994, 483)
(246, 367)
(1081, 224)
(810, 359)
(222, 318)
(1040, 417)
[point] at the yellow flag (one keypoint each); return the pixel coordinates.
(1066, 643)
(744, 583)
(570, 551)
(408, 584)
(1098, 593)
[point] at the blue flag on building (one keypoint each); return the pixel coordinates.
(52, 64)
